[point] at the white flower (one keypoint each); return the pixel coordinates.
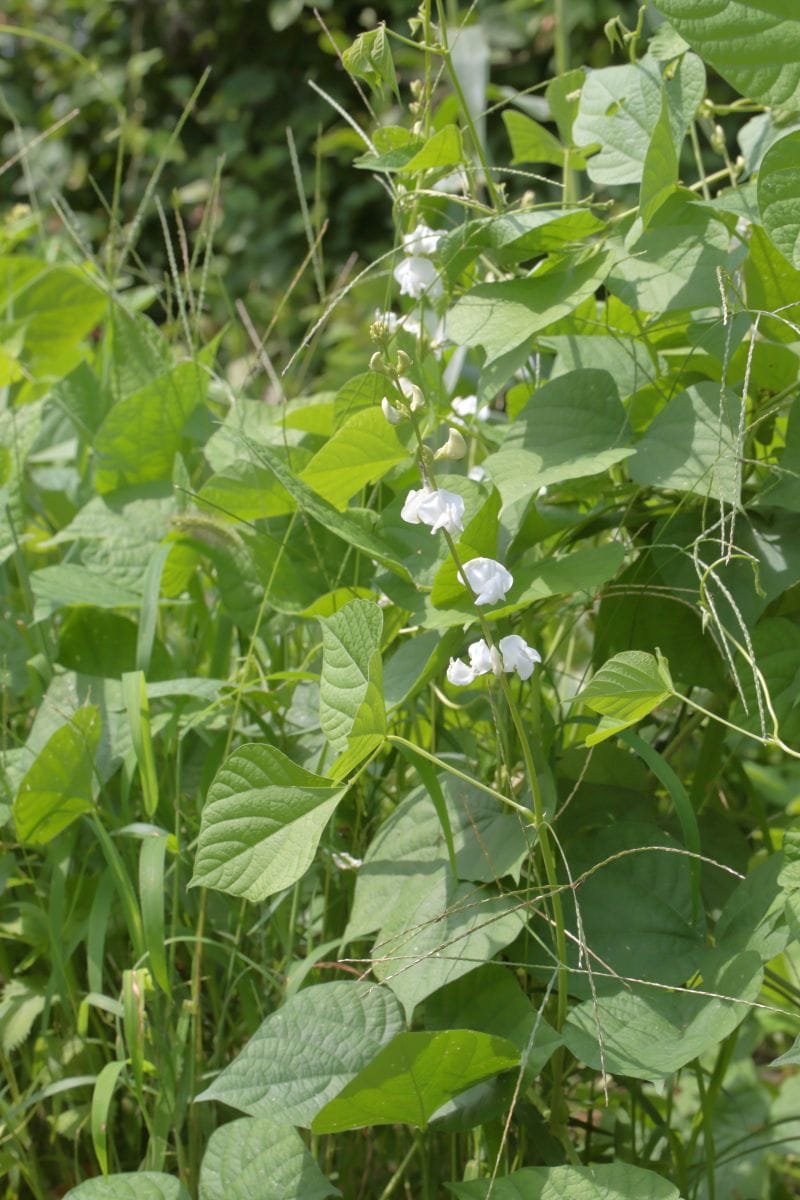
(459, 673)
(392, 414)
(477, 473)
(488, 579)
(435, 507)
(454, 447)
(416, 275)
(518, 655)
(412, 393)
(484, 658)
(422, 240)
(467, 406)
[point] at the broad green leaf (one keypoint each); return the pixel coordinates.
(257, 1159)
(361, 451)
(410, 846)
(246, 491)
(516, 237)
(619, 109)
(753, 44)
(370, 58)
(442, 930)
(530, 141)
(691, 446)
(563, 97)
(776, 649)
(503, 317)
(791, 1058)
(69, 583)
(261, 824)
(650, 1033)
(286, 1074)
(56, 310)
(625, 689)
(130, 1185)
(773, 286)
(779, 195)
(350, 686)
(344, 525)
(414, 1076)
(637, 910)
(673, 263)
(139, 351)
(572, 426)
(491, 1000)
(660, 172)
(441, 151)
(57, 788)
(751, 918)
(602, 1181)
(138, 440)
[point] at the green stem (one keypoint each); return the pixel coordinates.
(560, 37)
(446, 766)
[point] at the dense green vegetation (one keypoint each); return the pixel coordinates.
(399, 774)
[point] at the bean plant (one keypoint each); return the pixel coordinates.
(400, 740)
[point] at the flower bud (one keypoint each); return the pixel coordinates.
(454, 447)
(402, 362)
(377, 363)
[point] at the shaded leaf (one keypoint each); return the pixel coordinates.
(256, 1159)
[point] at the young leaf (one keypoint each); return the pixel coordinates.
(350, 686)
(441, 151)
(625, 689)
(255, 1159)
(58, 786)
(370, 58)
(753, 44)
(261, 824)
(414, 1076)
(287, 1076)
(779, 195)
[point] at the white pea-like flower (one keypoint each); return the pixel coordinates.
(422, 240)
(435, 507)
(488, 579)
(477, 473)
(484, 658)
(467, 406)
(459, 674)
(455, 446)
(412, 393)
(415, 276)
(392, 414)
(518, 655)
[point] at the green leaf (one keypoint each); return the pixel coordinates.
(361, 451)
(773, 286)
(410, 845)
(246, 491)
(57, 788)
(138, 440)
(660, 172)
(343, 525)
(753, 44)
(603, 1181)
(779, 195)
(572, 426)
(57, 310)
(256, 1159)
(442, 930)
(130, 1185)
(350, 686)
(619, 109)
(414, 1076)
(691, 446)
(502, 317)
(673, 263)
(288, 1076)
(261, 824)
(530, 141)
(650, 1033)
(625, 689)
(370, 58)
(441, 151)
